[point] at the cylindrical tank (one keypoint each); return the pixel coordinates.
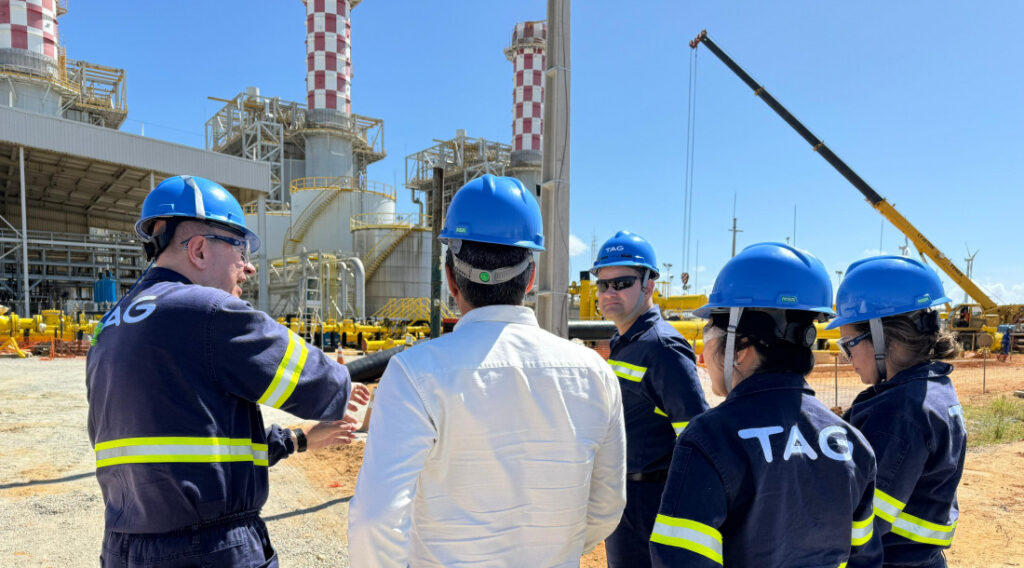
(328, 55)
(29, 46)
(527, 54)
(405, 273)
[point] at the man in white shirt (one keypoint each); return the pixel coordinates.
(498, 444)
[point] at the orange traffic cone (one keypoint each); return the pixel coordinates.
(341, 357)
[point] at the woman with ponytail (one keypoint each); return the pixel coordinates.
(910, 412)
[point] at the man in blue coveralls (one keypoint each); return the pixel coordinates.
(175, 378)
(661, 392)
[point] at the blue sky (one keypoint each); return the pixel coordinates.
(922, 99)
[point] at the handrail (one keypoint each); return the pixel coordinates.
(389, 221)
(342, 183)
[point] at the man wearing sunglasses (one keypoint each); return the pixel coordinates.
(175, 378)
(498, 444)
(661, 392)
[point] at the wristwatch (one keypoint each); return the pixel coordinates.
(300, 437)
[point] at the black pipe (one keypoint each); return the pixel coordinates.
(371, 367)
(591, 330)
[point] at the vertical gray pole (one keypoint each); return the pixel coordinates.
(263, 274)
(24, 231)
(984, 369)
(553, 271)
(835, 361)
(152, 181)
(435, 201)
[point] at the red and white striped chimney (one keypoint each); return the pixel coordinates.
(329, 54)
(30, 25)
(527, 56)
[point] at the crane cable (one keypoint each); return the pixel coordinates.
(691, 115)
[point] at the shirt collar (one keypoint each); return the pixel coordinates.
(502, 313)
(643, 322)
(160, 274)
(926, 370)
(761, 382)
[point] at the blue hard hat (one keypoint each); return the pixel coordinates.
(196, 198)
(881, 286)
(496, 210)
(771, 276)
(626, 249)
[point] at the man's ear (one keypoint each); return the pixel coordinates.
(196, 252)
(533, 276)
(450, 279)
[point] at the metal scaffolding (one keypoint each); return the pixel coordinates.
(463, 159)
(271, 129)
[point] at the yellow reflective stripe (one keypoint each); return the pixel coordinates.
(908, 526)
(862, 531)
(690, 535)
(679, 427)
(628, 371)
(175, 440)
(887, 506)
(179, 449)
(288, 372)
(843, 565)
(660, 412)
(920, 530)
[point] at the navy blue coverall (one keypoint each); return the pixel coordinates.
(174, 382)
(770, 477)
(661, 394)
(915, 424)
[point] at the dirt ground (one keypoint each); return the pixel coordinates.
(48, 488)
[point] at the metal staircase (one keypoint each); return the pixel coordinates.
(383, 248)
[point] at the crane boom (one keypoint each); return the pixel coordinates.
(876, 200)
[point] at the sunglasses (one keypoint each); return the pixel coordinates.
(240, 245)
(845, 345)
(617, 284)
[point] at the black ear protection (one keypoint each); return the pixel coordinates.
(156, 245)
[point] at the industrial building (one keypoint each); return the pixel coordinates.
(335, 246)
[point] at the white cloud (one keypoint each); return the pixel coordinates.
(576, 246)
(702, 268)
(874, 252)
(999, 292)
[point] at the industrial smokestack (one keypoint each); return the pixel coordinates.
(529, 40)
(329, 54)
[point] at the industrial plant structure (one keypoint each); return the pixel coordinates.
(335, 245)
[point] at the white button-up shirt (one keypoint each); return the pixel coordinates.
(499, 444)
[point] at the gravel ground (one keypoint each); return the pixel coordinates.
(51, 509)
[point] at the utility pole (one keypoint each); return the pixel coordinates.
(667, 279)
(435, 201)
(553, 285)
(734, 229)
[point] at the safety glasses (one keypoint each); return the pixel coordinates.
(617, 284)
(845, 345)
(240, 245)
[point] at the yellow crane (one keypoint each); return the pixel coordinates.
(970, 320)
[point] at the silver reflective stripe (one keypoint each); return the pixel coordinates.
(691, 535)
(173, 450)
(288, 372)
(179, 449)
(862, 531)
(679, 427)
(627, 371)
(886, 506)
(920, 530)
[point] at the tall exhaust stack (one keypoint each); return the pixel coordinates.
(527, 54)
(29, 47)
(329, 54)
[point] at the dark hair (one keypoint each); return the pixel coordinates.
(917, 338)
(758, 329)
(486, 256)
